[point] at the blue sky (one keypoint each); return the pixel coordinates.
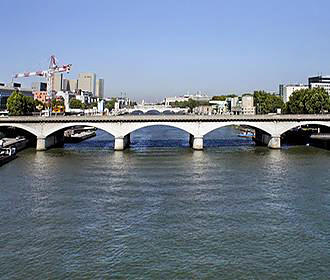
(152, 49)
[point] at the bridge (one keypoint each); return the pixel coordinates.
(49, 130)
(155, 109)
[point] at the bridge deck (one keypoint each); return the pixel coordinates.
(167, 118)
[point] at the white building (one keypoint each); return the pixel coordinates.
(87, 82)
(320, 82)
(197, 97)
(220, 107)
(248, 107)
(287, 90)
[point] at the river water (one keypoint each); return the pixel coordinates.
(162, 211)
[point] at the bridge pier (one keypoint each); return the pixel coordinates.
(274, 142)
(41, 144)
(122, 142)
(54, 140)
(196, 142)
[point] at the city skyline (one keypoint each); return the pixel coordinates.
(150, 50)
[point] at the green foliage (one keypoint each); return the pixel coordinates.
(191, 104)
(266, 102)
(92, 105)
(57, 102)
(223, 97)
(38, 104)
(219, 98)
(76, 104)
(20, 105)
(111, 104)
(308, 101)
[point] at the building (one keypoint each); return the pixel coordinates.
(232, 103)
(41, 96)
(204, 110)
(197, 97)
(247, 105)
(87, 82)
(286, 91)
(73, 85)
(39, 86)
(99, 91)
(57, 82)
(220, 107)
(6, 91)
(168, 100)
(65, 85)
(320, 82)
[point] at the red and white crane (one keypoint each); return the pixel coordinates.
(48, 74)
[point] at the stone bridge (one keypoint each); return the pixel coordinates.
(271, 127)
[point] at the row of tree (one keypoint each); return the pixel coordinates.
(306, 101)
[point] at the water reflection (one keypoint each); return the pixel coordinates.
(231, 211)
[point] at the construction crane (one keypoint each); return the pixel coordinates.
(48, 74)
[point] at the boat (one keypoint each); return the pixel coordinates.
(73, 136)
(246, 134)
(7, 155)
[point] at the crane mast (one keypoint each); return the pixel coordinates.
(48, 74)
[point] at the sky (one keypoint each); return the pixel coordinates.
(152, 49)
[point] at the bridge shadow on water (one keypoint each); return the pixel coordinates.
(164, 137)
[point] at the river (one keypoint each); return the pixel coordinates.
(160, 210)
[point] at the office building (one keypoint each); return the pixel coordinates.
(73, 85)
(87, 82)
(99, 92)
(39, 86)
(57, 82)
(286, 91)
(65, 85)
(320, 82)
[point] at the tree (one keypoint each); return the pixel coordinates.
(92, 105)
(76, 104)
(56, 102)
(110, 105)
(219, 98)
(20, 105)
(267, 103)
(38, 105)
(308, 101)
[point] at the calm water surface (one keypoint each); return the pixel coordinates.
(162, 211)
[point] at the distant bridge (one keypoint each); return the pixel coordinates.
(48, 130)
(155, 109)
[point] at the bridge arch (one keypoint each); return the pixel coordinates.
(266, 127)
(290, 126)
(62, 126)
(152, 112)
(21, 126)
(186, 127)
(137, 112)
